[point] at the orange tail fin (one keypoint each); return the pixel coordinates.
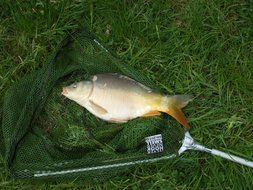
(173, 107)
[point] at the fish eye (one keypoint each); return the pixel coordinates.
(74, 85)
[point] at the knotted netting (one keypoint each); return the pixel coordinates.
(48, 136)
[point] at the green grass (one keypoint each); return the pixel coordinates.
(204, 48)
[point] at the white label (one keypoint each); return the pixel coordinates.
(154, 144)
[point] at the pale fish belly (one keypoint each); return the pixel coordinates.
(119, 105)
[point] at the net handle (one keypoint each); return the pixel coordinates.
(190, 144)
(109, 166)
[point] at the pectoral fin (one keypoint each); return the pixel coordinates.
(151, 113)
(97, 108)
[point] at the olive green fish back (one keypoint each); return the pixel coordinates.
(47, 136)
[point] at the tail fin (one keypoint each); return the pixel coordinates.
(173, 107)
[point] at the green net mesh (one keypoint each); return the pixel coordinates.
(48, 136)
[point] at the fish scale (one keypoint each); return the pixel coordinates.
(117, 103)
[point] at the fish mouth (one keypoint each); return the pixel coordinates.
(64, 91)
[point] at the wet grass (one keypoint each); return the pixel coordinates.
(204, 48)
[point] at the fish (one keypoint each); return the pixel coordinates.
(118, 98)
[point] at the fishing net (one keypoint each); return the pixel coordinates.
(45, 135)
